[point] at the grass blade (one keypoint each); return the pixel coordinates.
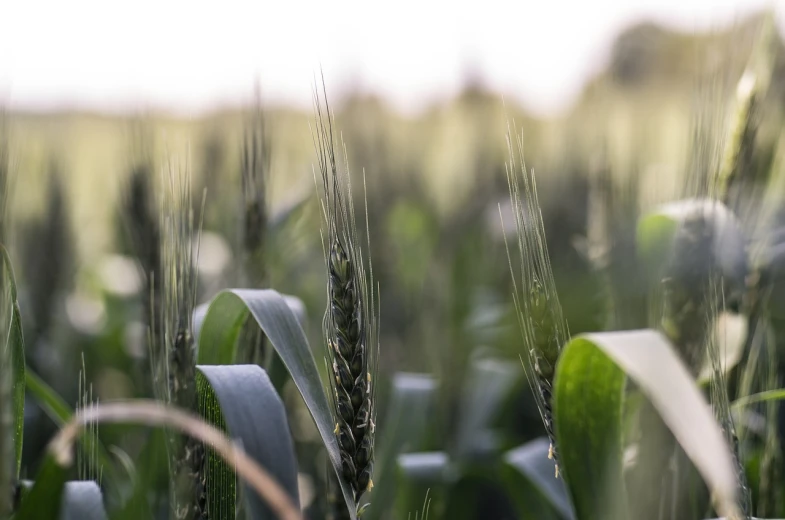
(241, 399)
(15, 349)
(218, 345)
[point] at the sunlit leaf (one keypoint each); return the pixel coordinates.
(590, 381)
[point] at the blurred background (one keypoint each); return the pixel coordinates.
(423, 94)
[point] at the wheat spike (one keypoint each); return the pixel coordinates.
(536, 302)
(350, 320)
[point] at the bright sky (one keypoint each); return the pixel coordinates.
(191, 55)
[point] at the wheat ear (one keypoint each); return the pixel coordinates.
(350, 320)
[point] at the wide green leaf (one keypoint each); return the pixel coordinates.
(403, 428)
(588, 398)
(15, 347)
(587, 408)
(241, 400)
(218, 346)
(200, 313)
(528, 477)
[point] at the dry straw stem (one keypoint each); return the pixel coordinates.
(536, 302)
(350, 322)
(152, 413)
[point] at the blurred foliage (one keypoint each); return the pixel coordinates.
(436, 185)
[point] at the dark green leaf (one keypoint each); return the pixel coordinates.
(218, 341)
(241, 399)
(529, 479)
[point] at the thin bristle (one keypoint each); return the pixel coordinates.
(350, 320)
(718, 394)
(536, 303)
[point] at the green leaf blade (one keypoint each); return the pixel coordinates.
(217, 345)
(15, 346)
(587, 409)
(593, 361)
(241, 400)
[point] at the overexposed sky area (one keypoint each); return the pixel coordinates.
(193, 55)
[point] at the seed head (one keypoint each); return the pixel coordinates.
(350, 319)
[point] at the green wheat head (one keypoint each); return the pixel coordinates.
(536, 302)
(350, 322)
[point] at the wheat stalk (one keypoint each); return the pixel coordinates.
(350, 324)
(536, 302)
(173, 361)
